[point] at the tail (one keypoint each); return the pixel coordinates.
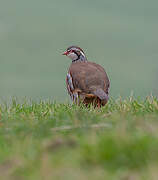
(101, 95)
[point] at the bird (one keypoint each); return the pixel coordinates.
(86, 81)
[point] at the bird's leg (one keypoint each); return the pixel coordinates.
(98, 103)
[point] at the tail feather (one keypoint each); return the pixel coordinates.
(101, 95)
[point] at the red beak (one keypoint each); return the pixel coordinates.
(65, 53)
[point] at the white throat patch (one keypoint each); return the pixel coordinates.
(72, 56)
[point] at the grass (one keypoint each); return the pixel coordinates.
(48, 140)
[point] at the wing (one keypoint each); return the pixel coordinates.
(88, 76)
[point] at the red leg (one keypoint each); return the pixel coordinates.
(98, 103)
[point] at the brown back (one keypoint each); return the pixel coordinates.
(89, 76)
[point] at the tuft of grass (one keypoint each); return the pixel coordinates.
(113, 152)
(50, 140)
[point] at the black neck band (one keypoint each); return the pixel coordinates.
(75, 59)
(78, 57)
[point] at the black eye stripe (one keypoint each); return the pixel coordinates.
(74, 51)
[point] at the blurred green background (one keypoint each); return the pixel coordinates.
(121, 35)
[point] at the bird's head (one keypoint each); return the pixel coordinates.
(75, 53)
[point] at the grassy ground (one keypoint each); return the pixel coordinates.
(48, 140)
